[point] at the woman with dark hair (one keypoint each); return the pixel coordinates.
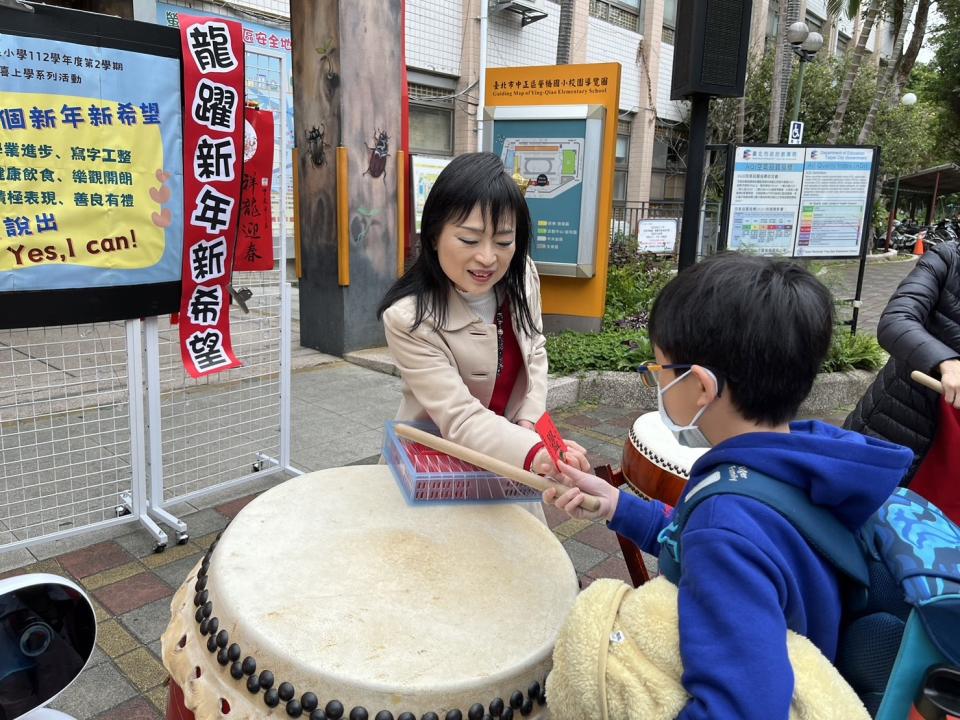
(920, 328)
(463, 324)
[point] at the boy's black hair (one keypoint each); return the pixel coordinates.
(764, 325)
(468, 181)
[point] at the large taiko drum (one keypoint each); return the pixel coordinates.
(654, 463)
(329, 596)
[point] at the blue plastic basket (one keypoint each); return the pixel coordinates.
(445, 479)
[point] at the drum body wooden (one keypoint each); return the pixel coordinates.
(335, 585)
(654, 463)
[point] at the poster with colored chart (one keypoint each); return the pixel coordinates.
(800, 201)
(765, 197)
(91, 164)
(833, 204)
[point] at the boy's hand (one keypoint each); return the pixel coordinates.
(582, 484)
(950, 378)
(575, 455)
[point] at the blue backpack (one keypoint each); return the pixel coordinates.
(902, 591)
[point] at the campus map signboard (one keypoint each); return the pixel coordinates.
(557, 150)
(800, 201)
(91, 169)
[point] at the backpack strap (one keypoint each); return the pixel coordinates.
(825, 534)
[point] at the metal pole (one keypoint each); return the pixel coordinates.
(893, 210)
(932, 213)
(799, 92)
(482, 88)
(693, 189)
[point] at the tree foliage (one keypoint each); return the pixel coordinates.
(910, 138)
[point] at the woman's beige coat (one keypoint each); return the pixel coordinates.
(448, 375)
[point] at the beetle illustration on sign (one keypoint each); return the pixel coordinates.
(378, 155)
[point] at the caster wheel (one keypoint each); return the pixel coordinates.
(182, 538)
(121, 510)
(159, 548)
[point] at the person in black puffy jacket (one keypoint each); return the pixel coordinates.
(920, 328)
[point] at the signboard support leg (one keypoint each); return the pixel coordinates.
(693, 190)
(135, 502)
(856, 297)
(155, 461)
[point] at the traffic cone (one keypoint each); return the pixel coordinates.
(919, 249)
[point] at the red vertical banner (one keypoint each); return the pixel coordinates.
(255, 235)
(212, 166)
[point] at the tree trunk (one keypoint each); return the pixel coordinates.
(886, 80)
(783, 64)
(836, 125)
(916, 42)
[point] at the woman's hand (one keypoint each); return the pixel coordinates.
(583, 484)
(526, 424)
(950, 379)
(575, 455)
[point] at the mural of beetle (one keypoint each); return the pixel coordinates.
(318, 144)
(378, 155)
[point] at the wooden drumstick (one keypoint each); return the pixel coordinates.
(504, 469)
(927, 381)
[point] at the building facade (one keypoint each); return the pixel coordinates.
(443, 61)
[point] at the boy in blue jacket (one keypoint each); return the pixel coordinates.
(738, 342)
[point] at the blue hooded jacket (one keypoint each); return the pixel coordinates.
(747, 575)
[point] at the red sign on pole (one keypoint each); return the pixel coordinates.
(212, 141)
(255, 236)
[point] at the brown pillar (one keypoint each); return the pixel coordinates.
(346, 83)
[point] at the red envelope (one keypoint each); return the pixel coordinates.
(551, 437)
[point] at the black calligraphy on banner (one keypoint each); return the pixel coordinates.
(213, 79)
(255, 236)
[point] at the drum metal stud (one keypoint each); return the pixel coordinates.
(199, 615)
(320, 715)
(516, 699)
(236, 670)
(212, 626)
(201, 583)
(253, 684)
(212, 644)
(249, 665)
(453, 715)
(527, 707)
(359, 713)
(223, 638)
(429, 716)
(266, 679)
(207, 608)
(334, 710)
(201, 597)
(406, 716)
(309, 702)
(222, 657)
(507, 713)
(294, 708)
(496, 707)
(475, 712)
(204, 626)
(286, 691)
(384, 715)
(271, 697)
(233, 652)
(533, 692)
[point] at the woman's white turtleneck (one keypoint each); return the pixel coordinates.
(483, 304)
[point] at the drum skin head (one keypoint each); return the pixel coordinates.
(338, 586)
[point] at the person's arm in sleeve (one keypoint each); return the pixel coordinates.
(733, 634)
(902, 329)
(641, 521)
(430, 375)
(535, 402)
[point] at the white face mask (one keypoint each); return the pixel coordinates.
(688, 435)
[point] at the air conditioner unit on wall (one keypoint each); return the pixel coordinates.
(529, 10)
